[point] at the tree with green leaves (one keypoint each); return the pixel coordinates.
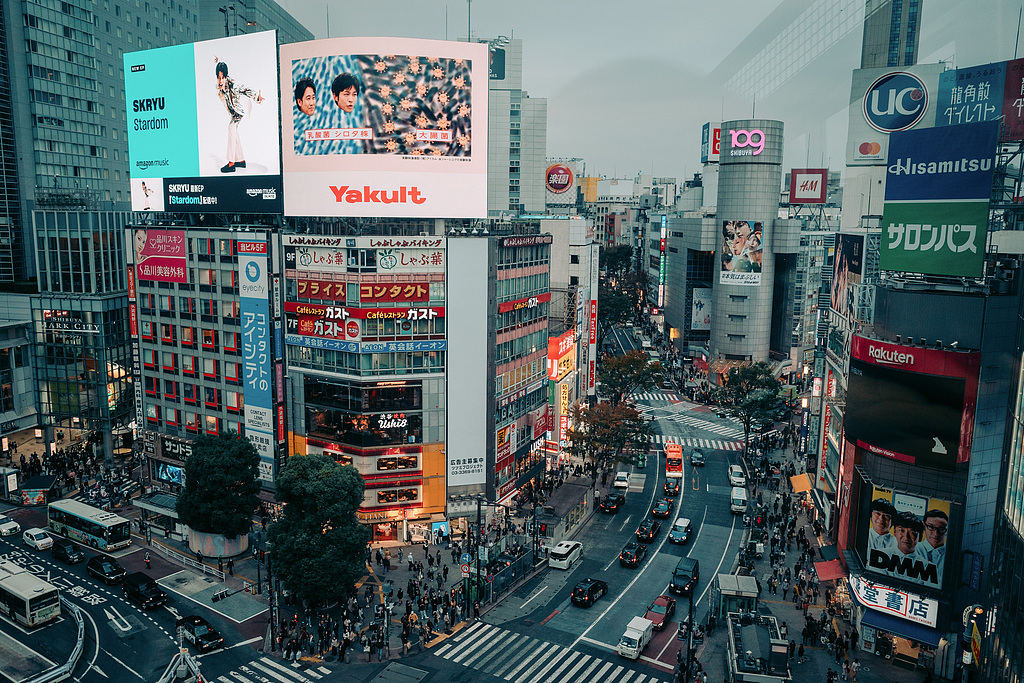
(622, 375)
(616, 261)
(604, 432)
(318, 547)
(219, 495)
(613, 308)
(749, 393)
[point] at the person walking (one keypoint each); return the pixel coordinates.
(147, 559)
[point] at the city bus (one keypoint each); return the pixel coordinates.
(673, 460)
(25, 598)
(88, 525)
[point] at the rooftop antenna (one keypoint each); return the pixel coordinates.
(469, 21)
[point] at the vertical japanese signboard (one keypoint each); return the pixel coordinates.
(256, 351)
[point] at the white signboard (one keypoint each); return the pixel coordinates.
(909, 606)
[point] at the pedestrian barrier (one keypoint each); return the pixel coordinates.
(189, 562)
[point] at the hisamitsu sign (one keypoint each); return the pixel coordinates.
(937, 191)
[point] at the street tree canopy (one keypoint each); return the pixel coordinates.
(622, 375)
(318, 547)
(616, 260)
(749, 394)
(613, 308)
(219, 495)
(605, 431)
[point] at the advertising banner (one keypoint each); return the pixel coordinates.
(902, 535)
(385, 127)
(528, 302)
(561, 355)
(741, 253)
(847, 272)
(593, 345)
(700, 315)
(971, 95)
(161, 255)
(808, 185)
(710, 142)
(886, 100)
(203, 126)
(912, 404)
(383, 261)
(937, 190)
(257, 357)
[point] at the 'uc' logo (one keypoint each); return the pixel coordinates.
(896, 101)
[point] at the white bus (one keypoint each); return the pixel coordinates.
(25, 598)
(565, 554)
(88, 525)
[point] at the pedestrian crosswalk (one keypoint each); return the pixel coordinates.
(674, 414)
(267, 670)
(655, 396)
(706, 444)
(520, 658)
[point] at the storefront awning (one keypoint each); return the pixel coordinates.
(901, 627)
(829, 570)
(828, 552)
(801, 483)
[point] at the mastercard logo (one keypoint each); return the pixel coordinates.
(869, 148)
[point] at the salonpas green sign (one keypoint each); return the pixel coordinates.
(940, 238)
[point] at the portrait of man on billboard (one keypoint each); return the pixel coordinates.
(903, 536)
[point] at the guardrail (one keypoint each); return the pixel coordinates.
(65, 670)
(188, 561)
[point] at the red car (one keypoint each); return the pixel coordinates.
(661, 610)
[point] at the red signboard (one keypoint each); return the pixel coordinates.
(528, 302)
(808, 185)
(131, 283)
(394, 292)
(346, 312)
(133, 319)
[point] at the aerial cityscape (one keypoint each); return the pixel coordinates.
(336, 348)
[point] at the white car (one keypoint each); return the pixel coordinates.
(736, 476)
(8, 527)
(37, 538)
(621, 480)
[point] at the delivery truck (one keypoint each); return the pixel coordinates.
(636, 638)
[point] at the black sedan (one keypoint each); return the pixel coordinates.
(648, 529)
(663, 508)
(105, 568)
(198, 631)
(587, 592)
(612, 502)
(672, 487)
(632, 555)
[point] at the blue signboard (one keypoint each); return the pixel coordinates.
(951, 162)
(257, 355)
(971, 95)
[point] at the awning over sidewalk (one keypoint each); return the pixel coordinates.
(800, 483)
(901, 627)
(829, 569)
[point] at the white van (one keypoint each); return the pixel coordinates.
(565, 554)
(636, 638)
(738, 500)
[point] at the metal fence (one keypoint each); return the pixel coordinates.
(65, 670)
(189, 562)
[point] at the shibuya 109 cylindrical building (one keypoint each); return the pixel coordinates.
(750, 178)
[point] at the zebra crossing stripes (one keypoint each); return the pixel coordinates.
(707, 444)
(267, 670)
(519, 658)
(655, 396)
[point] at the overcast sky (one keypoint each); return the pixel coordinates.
(629, 82)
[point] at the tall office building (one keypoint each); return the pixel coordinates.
(517, 128)
(891, 34)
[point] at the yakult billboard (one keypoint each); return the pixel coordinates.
(391, 127)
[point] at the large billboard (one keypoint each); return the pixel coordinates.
(886, 100)
(911, 404)
(391, 127)
(160, 255)
(203, 126)
(971, 95)
(700, 315)
(710, 142)
(808, 186)
(847, 272)
(903, 535)
(364, 255)
(742, 251)
(560, 182)
(257, 355)
(561, 355)
(937, 190)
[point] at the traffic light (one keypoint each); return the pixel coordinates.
(544, 529)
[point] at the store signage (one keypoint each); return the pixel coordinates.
(558, 178)
(528, 302)
(63, 321)
(178, 450)
(903, 604)
(710, 142)
(257, 355)
(392, 421)
(525, 240)
(808, 185)
(754, 139)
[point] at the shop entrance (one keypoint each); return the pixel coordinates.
(384, 531)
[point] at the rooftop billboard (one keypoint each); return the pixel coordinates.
(203, 126)
(391, 127)
(937, 190)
